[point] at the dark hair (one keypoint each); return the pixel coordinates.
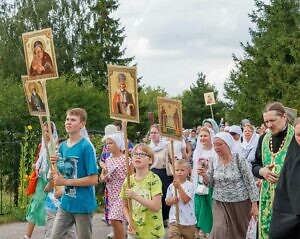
(60, 140)
(38, 43)
(275, 106)
(118, 123)
(51, 124)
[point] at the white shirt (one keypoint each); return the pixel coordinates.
(186, 211)
(178, 147)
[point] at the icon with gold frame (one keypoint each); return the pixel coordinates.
(35, 96)
(170, 117)
(40, 55)
(209, 98)
(123, 94)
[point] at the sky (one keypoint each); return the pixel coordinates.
(173, 40)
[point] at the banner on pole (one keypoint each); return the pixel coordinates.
(123, 94)
(170, 117)
(35, 97)
(40, 55)
(209, 98)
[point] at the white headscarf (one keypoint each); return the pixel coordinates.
(117, 138)
(200, 152)
(42, 165)
(249, 148)
(226, 137)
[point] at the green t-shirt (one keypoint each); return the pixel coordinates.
(147, 224)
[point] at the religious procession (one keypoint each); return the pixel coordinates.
(211, 179)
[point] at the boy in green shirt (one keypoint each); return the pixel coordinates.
(145, 193)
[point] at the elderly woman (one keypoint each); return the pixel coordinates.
(249, 145)
(235, 194)
(162, 153)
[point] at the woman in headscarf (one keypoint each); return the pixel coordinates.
(249, 144)
(36, 212)
(161, 159)
(212, 124)
(203, 153)
(285, 222)
(235, 194)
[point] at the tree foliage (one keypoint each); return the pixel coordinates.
(270, 68)
(101, 44)
(194, 109)
(86, 37)
(62, 95)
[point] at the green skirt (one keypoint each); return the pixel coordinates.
(36, 212)
(203, 211)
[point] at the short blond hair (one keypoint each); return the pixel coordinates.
(78, 112)
(183, 162)
(145, 148)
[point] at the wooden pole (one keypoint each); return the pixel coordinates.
(52, 143)
(211, 111)
(124, 127)
(173, 165)
(44, 135)
(53, 166)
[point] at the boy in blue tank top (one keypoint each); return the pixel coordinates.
(77, 168)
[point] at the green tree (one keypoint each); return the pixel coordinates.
(63, 95)
(66, 18)
(270, 68)
(101, 44)
(14, 111)
(193, 105)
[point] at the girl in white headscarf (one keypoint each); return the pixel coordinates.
(203, 153)
(114, 174)
(36, 212)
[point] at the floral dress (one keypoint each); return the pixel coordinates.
(117, 173)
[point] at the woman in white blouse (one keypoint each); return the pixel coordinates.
(160, 164)
(235, 194)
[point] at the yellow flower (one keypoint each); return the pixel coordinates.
(29, 127)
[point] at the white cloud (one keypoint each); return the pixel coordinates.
(173, 40)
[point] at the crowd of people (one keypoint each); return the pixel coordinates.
(209, 185)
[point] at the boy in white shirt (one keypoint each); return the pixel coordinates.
(185, 226)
